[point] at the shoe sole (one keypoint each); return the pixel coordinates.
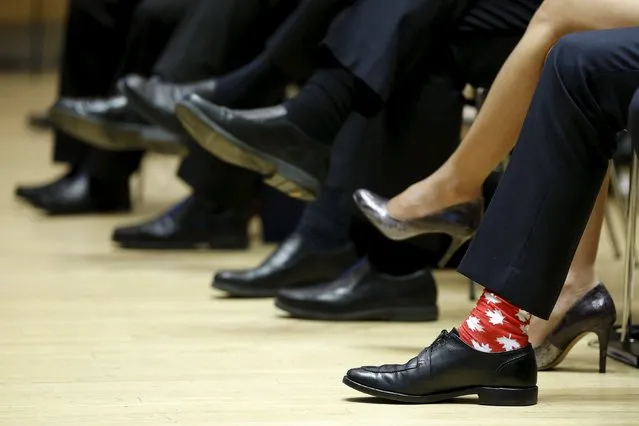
(486, 395)
(114, 137)
(178, 245)
(399, 314)
(284, 177)
(238, 291)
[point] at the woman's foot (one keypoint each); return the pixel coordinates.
(429, 196)
(575, 288)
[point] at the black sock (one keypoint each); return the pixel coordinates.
(326, 222)
(251, 86)
(323, 104)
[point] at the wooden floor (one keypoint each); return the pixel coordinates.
(92, 335)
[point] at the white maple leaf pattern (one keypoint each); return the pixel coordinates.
(523, 316)
(524, 328)
(482, 347)
(495, 317)
(508, 343)
(474, 324)
(491, 298)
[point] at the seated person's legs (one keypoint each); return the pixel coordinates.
(524, 247)
(104, 175)
(94, 44)
(204, 173)
(329, 96)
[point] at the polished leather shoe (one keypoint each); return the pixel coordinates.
(111, 124)
(155, 100)
(449, 368)
(80, 194)
(190, 224)
(364, 294)
(261, 140)
(295, 263)
(32, 193)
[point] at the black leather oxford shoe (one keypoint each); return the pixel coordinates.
(32, 193)
(295, 263)
(261, 140)
(188, 225)
(111, 124)
(155, 100)
(364, 294)
(78, 193)
(449, 368)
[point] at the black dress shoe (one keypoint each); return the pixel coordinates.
(449, 368)
(364, 294)
(32, 193)
(295, 263)
(190, 224)
(155, 100)
(261, 140)
(111, 124)
(81, 194)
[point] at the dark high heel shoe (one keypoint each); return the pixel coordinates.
(593, 313)
(459, 221)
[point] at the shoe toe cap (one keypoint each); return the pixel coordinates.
(126, 233)
(365, 376)
(230, 276)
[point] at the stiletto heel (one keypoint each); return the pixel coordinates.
(593, 313)
(603, 336)
(455, 244)
(459, 221)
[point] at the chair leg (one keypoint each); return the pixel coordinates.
(471, 290)
(625, 344)
(629, 256)
(614, 240)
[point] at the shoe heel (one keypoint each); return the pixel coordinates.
(603, 335)
(455, 244)
(508, 396)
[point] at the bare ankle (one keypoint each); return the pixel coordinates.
(581, 280)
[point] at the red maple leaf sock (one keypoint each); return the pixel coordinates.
(495, 325)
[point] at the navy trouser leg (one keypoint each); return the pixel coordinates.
(528, 238)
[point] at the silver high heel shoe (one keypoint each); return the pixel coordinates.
(459, 221)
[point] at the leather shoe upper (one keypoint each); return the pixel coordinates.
(115, 109)
(363, 288)
(450, 364)
(78, 193)
(155, 99)
(268, 130)
(295, 263)
(188, 223)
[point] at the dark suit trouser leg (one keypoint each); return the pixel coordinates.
(217, 37)
(150, 28)
(524, 247)
(205, 45)
(379, 40)
(293, 47)
(95, 41)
